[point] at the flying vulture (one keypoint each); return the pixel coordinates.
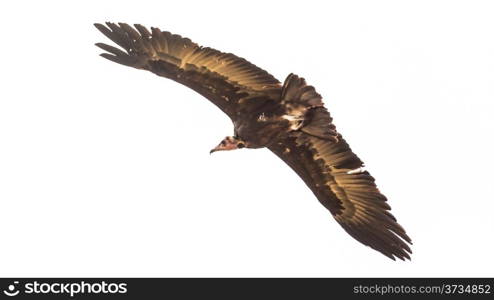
(288, 118)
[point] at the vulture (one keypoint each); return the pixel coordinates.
(288, 118)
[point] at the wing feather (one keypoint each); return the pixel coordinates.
(221, 77)
(331, 171)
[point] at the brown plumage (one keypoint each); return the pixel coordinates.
(289, 119)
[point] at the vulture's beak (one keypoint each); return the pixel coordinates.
(229, 143)
(222, 147)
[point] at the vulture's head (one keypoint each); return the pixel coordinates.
(229, 143)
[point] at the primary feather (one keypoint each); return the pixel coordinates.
(289, 119)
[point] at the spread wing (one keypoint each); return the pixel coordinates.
(331, 171)
(223, 78)
(323, 159)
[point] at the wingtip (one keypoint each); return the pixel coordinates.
(404, 254)
(405, 257)
(98, 25)
(107, 56)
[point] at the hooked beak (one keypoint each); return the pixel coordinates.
(222, 147)
(229, 143)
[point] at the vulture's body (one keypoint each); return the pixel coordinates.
(289, 119)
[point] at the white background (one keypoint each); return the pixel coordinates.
(105, 170)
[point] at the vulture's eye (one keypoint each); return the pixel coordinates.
(240, 145)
